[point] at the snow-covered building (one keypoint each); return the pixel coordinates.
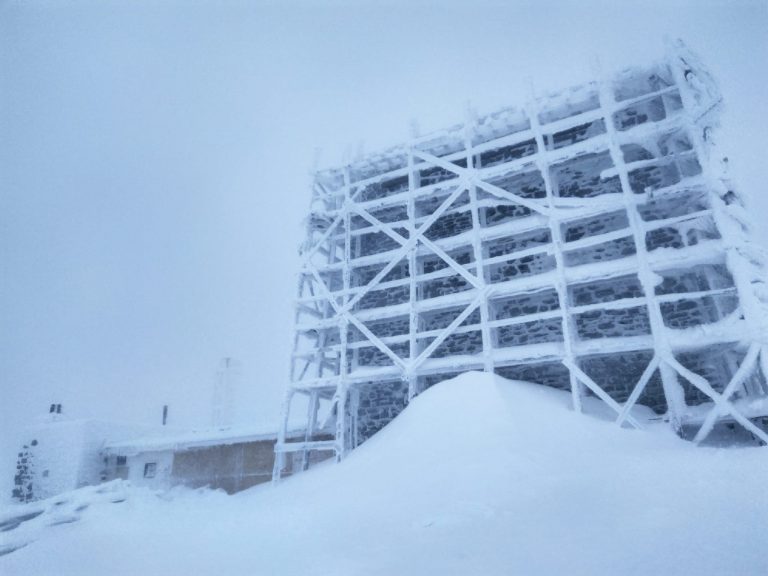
(229, 459)
(589, 240)
(60, 454)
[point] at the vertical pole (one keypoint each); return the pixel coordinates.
(341, 395)
(413, 271)
(477, 246)
(282, 433)
(312, 406)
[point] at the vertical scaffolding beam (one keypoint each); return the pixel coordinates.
(312, 407)
(647, 278)
(561, 285)
(413, 315)
(342, 441)
(477, 248)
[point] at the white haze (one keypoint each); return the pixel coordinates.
(155, 161)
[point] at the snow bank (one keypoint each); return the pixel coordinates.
(478, 475)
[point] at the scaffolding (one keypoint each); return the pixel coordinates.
(590, 241)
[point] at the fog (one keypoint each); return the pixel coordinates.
(155, 160)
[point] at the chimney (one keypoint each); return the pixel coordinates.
(165, 414)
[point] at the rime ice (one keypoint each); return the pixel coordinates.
(588, 242)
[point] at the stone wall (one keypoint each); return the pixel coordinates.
(388, 215)
(457, 344)
(576, 134)
(362, 275)
(386, 297)
(694, 279)
(612, 323)
(426, 205)
(580, 177)
(437, 174)
(382, 189)
(438, 319)
(430, 380)
(618, 375)
(517, 242)
(528, 184)
(552, 374)
(667, 237)
(370, 356)
(651, 109)
(506, 153)
(595, 225)
(375, 243)
(524, 304)
(671, 206)
(603, 252)
(525, 266)
(650, 178)
(495, 215)
(378, 404)
(605, 290)
(536, 332)
(443, 286)
(692, 312)
(450, 225)
(432, 262)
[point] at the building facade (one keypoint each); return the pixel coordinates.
(230, 459)
(61, 454)
(589, 241)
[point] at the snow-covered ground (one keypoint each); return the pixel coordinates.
(478, 475)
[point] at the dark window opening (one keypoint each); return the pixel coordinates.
(150, 469)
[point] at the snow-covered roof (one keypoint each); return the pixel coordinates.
(195, 439)
(94, 430)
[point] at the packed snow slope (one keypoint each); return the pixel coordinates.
(479, 475)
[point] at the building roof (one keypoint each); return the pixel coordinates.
(194, 439)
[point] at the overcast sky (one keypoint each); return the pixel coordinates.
(155, 161)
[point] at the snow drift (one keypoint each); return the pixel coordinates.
(478, 475)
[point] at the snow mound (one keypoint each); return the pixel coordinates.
(478, 475)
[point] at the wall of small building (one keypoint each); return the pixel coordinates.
(151, 469)
(231, 467)
(52, 458)
(63, 455)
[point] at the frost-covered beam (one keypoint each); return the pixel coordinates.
(599, 392)
(638, 390)
(723, 405)
(645, 273)
(561, 285)
(747, 366)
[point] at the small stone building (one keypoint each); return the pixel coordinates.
(60, 454)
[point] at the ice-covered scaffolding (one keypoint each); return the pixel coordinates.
(589, 241)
